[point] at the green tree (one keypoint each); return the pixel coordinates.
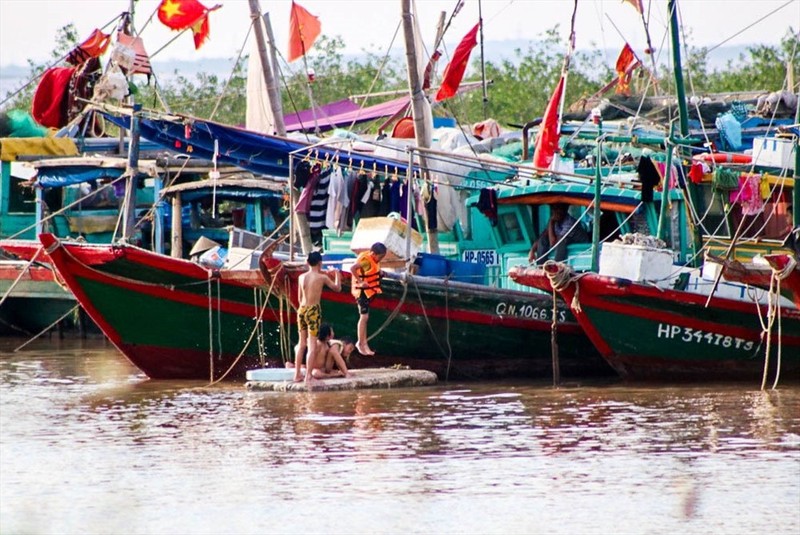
(21, 98)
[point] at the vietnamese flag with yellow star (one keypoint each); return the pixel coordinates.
(183, 14)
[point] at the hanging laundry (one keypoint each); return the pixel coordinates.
(649, 176)
(49, 106)
(319, 205)
(748, 195)
(360, 185)
(428, 194)
(302, 172)
(765, 189)
(372, 199)
(336, 198)
(386, 198)
(725, 179)
(698, 171)
(487, 204)
(303, 205)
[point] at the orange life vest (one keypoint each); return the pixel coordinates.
(370, 276)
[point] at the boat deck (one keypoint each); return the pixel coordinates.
(366, 378)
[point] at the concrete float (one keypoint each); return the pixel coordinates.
(280, 380)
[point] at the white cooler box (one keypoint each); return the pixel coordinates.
(636, 262)
(389, 231)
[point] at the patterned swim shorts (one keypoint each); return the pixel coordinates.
(309, 319)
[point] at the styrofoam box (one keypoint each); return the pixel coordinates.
(271, 374)
(635, 262)
(774, 152)
(242, 258)
(389, 231)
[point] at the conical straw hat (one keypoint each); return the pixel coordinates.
(202, 245)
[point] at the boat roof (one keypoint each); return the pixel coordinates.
(227, 188)
(614, 198)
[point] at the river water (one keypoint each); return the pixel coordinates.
(89, 445)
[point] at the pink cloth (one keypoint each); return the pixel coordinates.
(749, 194)
(303, 205)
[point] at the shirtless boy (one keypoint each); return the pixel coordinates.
(331, 355)
(309, 314)
(331, 359)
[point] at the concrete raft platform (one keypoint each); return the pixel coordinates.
(364, 378)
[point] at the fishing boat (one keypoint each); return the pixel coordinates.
(79, 197)
(651, 332)
(641, 307)
(171, 317)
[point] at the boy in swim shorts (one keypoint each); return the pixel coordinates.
(309, 314)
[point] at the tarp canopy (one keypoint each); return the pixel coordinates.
(341, 113)
(259, 153)
(59, 177)
(61, 172)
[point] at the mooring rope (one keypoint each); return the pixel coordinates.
(21, 274)
(427, 321)
(70, 311)
(561, 277)
(393, 314)
(773, 313)
(210, 330)
(253, 332)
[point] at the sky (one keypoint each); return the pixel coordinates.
(28, 27)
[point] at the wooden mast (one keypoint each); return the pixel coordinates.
(422, 132)
(269, 80)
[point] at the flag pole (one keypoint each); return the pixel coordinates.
(565, 68)
(650, 52)
(483, 63)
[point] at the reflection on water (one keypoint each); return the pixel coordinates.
(89, 445)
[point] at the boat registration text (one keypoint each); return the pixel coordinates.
(528, 312)
(487, 257)
(697, 336)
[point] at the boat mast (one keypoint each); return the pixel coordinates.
(697, 242)
(132, 171)
(676, 59)
(483, 63)
(272, 88)
(422, 132)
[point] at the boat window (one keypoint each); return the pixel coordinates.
(21, 198)
(510, 228)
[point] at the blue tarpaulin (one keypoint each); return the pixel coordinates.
(59, 177)
(259, 153)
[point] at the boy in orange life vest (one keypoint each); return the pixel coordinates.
(309, 314)
(366, 284)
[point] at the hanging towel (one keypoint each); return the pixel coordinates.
(649, 176)
(487, 204)
(725, 179)
(749, 195)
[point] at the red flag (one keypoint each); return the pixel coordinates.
(182, 14)
(304, 28)
(624, 61)
(637, 5)
(94, 47)
(454, 71)
(547, 140)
